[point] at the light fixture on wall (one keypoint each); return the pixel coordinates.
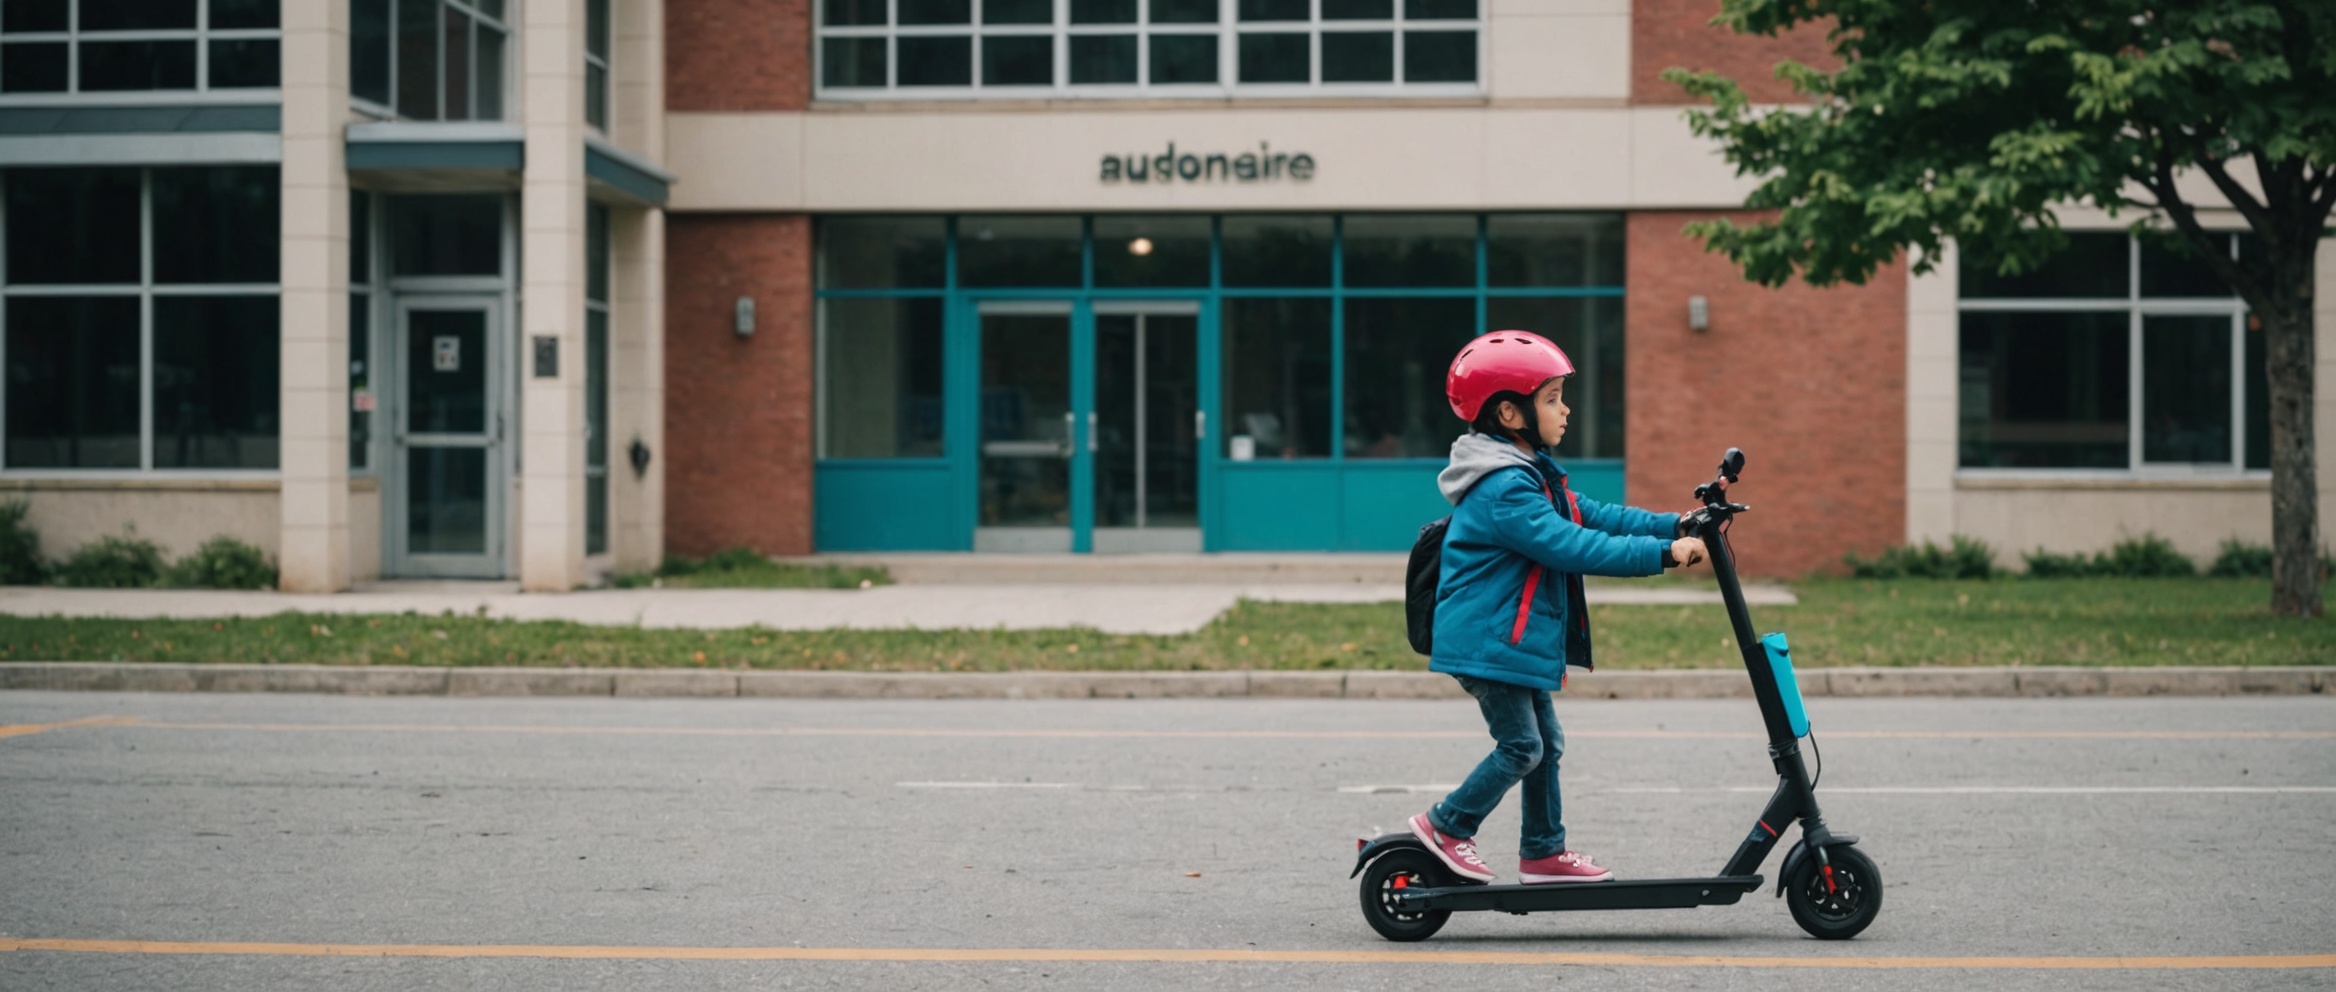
(1698, 314)
(639, 454)
(1140, 247)
(742, 317)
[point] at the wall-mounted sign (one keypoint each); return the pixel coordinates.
(446, 353)
(1261, 166)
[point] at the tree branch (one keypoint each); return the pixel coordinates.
(2240, 199)
(2185, 217)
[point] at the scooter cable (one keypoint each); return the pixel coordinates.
(1820, 756)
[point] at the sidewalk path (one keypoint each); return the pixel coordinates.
(1116, 609)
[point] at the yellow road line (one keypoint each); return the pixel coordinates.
(1160, 956)
(943, 732)
(23, 729)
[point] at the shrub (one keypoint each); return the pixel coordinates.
(20, 547)
(1964, 558)
(2044, 564)
(2146, 557)
(2240, 560)
(225, 563)
(734, 559)
(124, 561)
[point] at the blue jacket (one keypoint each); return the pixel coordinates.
(1507, 534)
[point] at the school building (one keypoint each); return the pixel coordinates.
(542, 289)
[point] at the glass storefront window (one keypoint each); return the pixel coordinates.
(2052, 379)
(880, 365)
(2044, 390)
(1152, 251)
(1018, 251)
(1396, 353)
(1553, 250)
(430, 60)
(121, 357)
(458, 235)
(1590, 331)
(883, 252)
(1277, 378)
(1394, 250)
(112, 46)
(1277, 250)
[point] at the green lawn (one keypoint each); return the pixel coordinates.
(1838, 622)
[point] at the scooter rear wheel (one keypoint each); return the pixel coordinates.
(1406, 868)
(1843, 909)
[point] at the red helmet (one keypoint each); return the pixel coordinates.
(1502, 361)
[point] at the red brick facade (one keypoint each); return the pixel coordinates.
(1810, 383)
(738, 410)
(737, 54)
(1678, 33)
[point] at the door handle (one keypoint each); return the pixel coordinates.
(1070, 433)
(1200, 425)
(1091, 430)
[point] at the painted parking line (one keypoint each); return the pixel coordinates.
(1163, 956)
(27, 729)
(1046, 734)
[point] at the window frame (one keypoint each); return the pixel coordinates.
(146, 291)
(1227, 30)
(2137, 308)
(202, 34)
(479, 20)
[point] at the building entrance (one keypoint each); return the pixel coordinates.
(447, 471)
(1091, 426)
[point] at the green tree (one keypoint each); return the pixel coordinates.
(1973, 120)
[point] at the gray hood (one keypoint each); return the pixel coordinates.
(1475, 456)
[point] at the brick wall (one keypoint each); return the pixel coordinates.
(738, 410)
(737, 54)
(1668, 33)
(1810, 383)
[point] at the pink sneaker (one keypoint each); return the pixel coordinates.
(1564, 866)
(1457, 853)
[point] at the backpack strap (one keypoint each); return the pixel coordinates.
(1533, 578)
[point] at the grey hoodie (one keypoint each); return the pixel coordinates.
(1475, 456)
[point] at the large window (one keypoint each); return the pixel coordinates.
(597, 275)
(429, 60)
(596, 31)
(114, 46)
(1334, 332)
(2120, 354)
(1122, 48)
(140, 310)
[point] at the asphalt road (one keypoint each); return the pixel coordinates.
(280, 841)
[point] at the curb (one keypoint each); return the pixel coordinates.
(691, 682)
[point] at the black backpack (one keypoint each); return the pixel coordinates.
(1420, 579)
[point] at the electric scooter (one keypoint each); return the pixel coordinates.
(1832, 888)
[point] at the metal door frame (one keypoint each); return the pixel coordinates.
(493, 563)
(1142, 538)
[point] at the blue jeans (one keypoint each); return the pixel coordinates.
(1526, 745)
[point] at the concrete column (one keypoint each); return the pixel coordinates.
(637, 389)
(637, 304)
(2324, 385)
(313, 551)
(1932, 364)
(551, 296)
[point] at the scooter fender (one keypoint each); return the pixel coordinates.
(1370, 850)
(1800, 852)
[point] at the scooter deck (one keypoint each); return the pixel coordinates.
(1652, 893)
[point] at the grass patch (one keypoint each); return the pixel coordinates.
(1838, 622)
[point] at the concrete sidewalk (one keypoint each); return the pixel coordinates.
(1166, 608)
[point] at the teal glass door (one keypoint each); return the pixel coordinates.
(1148, 426)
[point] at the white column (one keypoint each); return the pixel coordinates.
(2324, 385)
(551, 296)
(1931, 386)
(313, 551)
(637, 309)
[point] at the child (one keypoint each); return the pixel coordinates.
(1506, 627)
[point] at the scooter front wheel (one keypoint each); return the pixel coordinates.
(1405, 868)
(1839, 906)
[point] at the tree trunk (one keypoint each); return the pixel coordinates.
(2295, 477)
